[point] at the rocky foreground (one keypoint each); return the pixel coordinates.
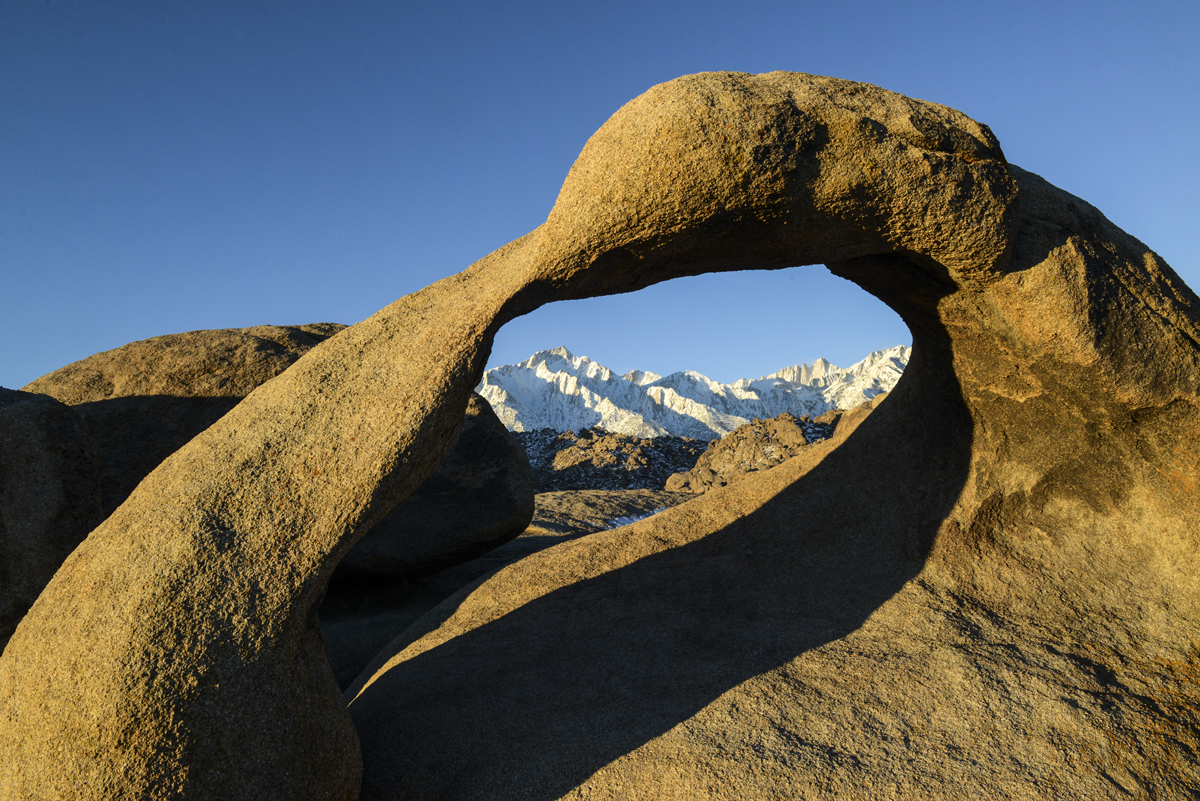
(984, 588)
(362, 618)
(758, 445)
(599, 459)
(94, 429)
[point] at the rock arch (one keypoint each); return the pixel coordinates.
(1047, 426)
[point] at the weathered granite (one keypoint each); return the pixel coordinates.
(1006, 608)
(479, 497)
(757, 445)
(595, 459)
(145, 400)
(363, 614)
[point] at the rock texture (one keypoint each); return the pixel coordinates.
(603, 460)
(1004, 606)
(479, 497)
(49, 496)
(145, 400)
(571, 513)
(758, 445)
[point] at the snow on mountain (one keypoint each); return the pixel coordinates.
(556, 389)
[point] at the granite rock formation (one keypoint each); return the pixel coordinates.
(604, 460)
(49, 496)
(145, 400)
(1003, 606)
(479, 498)
(758, 445)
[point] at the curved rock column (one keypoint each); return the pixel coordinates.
(176, 652)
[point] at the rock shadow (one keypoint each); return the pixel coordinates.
(134, 434)
(532, 703)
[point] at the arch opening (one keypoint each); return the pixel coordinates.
(726, 326)
(657, 623)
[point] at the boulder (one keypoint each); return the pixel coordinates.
(49, 496)
(758, 445)
(1003, 605)
(479, 497)
(145, 400)
(830, 419)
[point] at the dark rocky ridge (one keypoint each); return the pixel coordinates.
(595, 459)
(758, 445)
(603, 460)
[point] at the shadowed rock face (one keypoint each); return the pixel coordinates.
(1006, 607)
(479, 497)
(145, 400)
(49, 496)
(362, 615)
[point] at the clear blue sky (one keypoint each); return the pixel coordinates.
(169, 166)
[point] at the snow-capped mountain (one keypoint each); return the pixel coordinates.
(556, 389)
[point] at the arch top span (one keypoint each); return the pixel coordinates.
(721, 171)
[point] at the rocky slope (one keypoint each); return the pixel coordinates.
(557, 390)
(595, 459)
(758, 445)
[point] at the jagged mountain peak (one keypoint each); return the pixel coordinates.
(822, 369)
(561, 361)
(558, 390)
(641, 377)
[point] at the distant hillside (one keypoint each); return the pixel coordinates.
(558, 390)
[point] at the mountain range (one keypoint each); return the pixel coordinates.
(557, 390)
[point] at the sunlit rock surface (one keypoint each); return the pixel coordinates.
(986, 588)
